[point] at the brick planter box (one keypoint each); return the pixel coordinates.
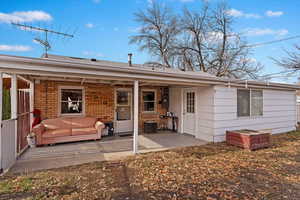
(248, 139)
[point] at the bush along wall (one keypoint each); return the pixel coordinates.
(6, 105)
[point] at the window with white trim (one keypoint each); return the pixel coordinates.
(249, 103)
(149, 101)
(71, 100)
(190, 102)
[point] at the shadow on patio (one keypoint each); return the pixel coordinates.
(114, 148)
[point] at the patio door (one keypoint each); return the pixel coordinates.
(123, 114)
(189, 111)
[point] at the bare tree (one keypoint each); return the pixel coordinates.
(213, 46)
(292, 60)
(198, 41)
(158, 33)
(192, 47)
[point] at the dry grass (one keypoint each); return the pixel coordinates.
(213, 171)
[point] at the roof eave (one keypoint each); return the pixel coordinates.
(84, 67)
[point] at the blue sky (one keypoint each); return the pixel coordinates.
(103, 27)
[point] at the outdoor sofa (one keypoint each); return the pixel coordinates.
(68, 129)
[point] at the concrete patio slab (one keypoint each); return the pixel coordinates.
(62, 155)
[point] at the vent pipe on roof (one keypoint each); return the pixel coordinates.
(130, 59)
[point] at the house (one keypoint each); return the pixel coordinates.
(130, 95)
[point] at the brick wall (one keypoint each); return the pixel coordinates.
(99, 101)
(145, 116)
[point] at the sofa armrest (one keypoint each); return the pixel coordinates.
(99, 126)
(38, 131)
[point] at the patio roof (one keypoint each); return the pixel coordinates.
(60, 66)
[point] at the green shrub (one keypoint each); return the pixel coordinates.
(6, 105)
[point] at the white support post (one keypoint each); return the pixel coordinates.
(14, 100)
(14, 107)
(136, 117)
(31, 103)
(1, 101)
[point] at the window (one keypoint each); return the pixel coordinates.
(149, 101)
(123, 105)
(256, 103)
(71, 100)
(190, 102)
(243, 103)
(249, 103)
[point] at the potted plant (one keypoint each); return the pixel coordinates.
(31, 139)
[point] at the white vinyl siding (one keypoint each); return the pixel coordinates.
(279, 112)
(205, 109)
(217, 111)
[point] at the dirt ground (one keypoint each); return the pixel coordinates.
(212, 171)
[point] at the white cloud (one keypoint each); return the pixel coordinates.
(90, 25)
(266, 31)
(239, 13)
(15, 48)
(271, 13)
(235, 13)
(91, 53)
(24, 16)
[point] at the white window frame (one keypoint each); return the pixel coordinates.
(130, 103)
(155, 100)
(187, 102)
(60, 88)
(250, 95)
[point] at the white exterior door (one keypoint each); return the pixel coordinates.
(123, 111)
(189, 111)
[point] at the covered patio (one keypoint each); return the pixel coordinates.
(115, 148)
(99, 85)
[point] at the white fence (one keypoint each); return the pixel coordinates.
(8, 144)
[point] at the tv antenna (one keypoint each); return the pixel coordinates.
(44, 42)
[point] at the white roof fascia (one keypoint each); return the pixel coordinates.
(47, 66)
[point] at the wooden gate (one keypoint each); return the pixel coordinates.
(23, 119)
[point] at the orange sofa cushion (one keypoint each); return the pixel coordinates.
(58, 123)
(83, 122)
(57, 133)
(84, 131)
